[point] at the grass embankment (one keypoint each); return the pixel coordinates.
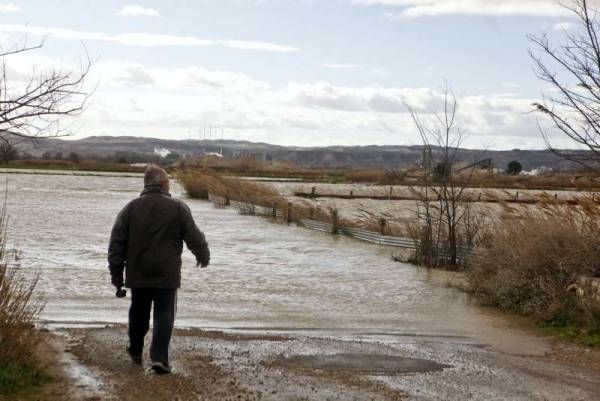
(532, 264)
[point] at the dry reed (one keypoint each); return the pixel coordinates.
(19, 306)
(531, 257)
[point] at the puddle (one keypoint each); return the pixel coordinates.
(87, 384)
(364, 364)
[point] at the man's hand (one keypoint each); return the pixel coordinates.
(202, 263)
(117, 280)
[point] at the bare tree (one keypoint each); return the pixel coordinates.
(443, 205)
(34, 107)
(572, 70)
(8, 148)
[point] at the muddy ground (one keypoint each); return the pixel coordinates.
(214, 365)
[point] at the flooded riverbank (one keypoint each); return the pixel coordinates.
(282, 302)
(262, 276)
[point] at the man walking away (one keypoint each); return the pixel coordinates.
(146, 244)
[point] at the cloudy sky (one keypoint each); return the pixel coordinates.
(293, 72)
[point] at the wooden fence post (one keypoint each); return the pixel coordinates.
(274, 211)
(382, 226)
(334, 221)
(289, 213)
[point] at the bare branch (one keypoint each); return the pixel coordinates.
(35, 108)
(572, 70)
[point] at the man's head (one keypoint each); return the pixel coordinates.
(156, 176)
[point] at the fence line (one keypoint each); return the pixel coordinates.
(219, 201)
(372, 237)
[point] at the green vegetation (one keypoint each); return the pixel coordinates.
(17, 378)
(514, 168)
(571, 332)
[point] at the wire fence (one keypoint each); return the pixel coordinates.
(332, 227)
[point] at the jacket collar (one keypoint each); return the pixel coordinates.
(154, 189)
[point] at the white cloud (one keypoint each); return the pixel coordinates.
(134, 99)
(138, 11)
(143, 39)
(9, 8)
(175, 100)
(340, 66)
(563, 26)
(424, 8)
(378, 72)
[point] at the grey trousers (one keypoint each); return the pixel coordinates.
(165, 309)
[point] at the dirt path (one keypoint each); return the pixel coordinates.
(212, 365)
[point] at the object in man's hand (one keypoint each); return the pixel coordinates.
(121, 293)
(117, 280)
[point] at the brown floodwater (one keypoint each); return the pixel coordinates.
(262, 275)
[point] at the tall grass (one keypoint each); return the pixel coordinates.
(244, 195)
(19, 309)
(534, 256)
(199, 183)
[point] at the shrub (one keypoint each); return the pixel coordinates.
(532, 257)
(199, 183)
(19, 309)
(442, 171)
(514, 168)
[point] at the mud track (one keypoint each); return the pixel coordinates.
(213, 365)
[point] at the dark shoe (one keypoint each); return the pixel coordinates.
(161, 368)
(137, 359)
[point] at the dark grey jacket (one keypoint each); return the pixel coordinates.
(147, 240)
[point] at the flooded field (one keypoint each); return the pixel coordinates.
(282, 312)
(262, 275)
(366, 212)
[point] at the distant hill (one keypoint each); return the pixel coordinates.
(331, 157)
